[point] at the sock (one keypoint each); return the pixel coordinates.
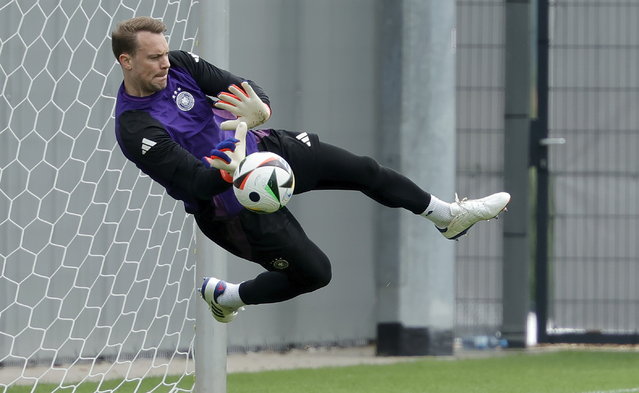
(231, 296)
(438, 212)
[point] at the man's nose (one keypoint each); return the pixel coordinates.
(165, 62)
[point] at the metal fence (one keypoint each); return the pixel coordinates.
(591, 290)
(593, 255)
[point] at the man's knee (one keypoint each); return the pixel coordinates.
(317, 277)
(323, 277)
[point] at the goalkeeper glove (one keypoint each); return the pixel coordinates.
(228, 154)
(245, 105)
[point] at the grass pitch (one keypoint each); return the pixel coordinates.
(559, 372)
(518, 372)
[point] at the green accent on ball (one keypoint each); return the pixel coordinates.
(272, 188)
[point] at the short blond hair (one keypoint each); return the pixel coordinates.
(124, 37)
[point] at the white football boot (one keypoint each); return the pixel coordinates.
(468, 212)
(211, 289)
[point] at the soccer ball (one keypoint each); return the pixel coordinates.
(263, 182)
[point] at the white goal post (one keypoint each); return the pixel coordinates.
(211, 337)
(97, 263)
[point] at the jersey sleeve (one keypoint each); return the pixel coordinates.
(211, 79)
(146, 143)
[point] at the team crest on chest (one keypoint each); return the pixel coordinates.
(183, 99)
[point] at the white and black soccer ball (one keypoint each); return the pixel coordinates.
(263, 182)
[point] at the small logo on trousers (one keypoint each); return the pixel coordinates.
(280, 264)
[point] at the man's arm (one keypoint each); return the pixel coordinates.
(145, 142)
(211, 79)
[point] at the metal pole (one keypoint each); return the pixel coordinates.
(516, 256)
(211, 336)
(540, 154)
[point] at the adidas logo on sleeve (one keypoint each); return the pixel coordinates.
(304, 138)
(147, 144)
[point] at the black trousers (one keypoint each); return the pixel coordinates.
(293, 263)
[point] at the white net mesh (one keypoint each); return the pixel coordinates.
(97, 277)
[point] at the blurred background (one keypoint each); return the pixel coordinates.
(536, 98)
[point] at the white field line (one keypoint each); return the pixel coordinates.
(630, 390)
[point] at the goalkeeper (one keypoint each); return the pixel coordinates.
(168, 126)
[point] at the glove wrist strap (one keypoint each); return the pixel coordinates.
(226, 176)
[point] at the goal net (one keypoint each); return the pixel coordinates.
(96, 262)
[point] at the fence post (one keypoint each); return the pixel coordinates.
(539, 153)
(516, 254)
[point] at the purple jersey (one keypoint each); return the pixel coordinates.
(182, 111)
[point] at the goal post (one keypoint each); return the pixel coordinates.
(211, 336)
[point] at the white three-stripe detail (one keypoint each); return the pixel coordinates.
(303, 137)
(147, 144)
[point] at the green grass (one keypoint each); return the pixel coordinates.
(557, 372)
(560, 372)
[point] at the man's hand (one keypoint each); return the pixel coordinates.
(228, 154)
(245, 105)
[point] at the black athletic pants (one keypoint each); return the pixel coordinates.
(294, 264)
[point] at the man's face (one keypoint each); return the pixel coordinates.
(147, 69)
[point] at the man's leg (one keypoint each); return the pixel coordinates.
(295, 265)
(324, 166)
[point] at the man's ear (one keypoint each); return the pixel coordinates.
(125, 61)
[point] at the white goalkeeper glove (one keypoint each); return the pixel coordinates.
(228, 154)
(245, 105)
